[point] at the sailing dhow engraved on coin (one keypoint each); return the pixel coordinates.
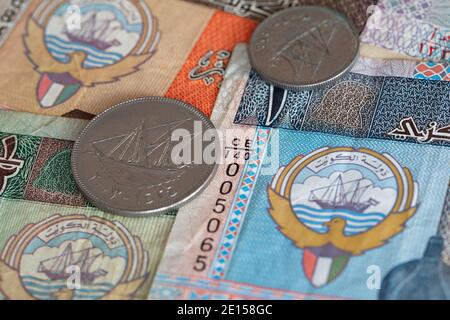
(304, 47)
(123, 163)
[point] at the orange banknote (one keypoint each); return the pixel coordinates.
(79, 57)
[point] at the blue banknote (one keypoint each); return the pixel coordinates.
(307, 215)
(358, 105)
(328, 179)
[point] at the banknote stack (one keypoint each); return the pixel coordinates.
(334, 172)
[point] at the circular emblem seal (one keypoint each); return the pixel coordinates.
(73, 257)
(84, 43)
(338, 202)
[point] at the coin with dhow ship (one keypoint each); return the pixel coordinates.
(125, 160)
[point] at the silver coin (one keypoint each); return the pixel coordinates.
(123, 161)
(303, 47)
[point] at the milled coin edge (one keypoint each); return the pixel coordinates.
(100, 204)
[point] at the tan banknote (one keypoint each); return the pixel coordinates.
(357, 11)
(80, 57)
(54, 245)
(312, 215)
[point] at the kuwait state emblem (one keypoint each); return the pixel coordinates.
(335, 203)
(84, 43)
(73, 257)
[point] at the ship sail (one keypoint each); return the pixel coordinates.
(132, 149)
(59, 263)
(56, 267)
(95, 32)
(340, 195)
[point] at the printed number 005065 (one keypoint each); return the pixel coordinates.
(222, 200)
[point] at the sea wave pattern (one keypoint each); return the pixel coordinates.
(46, 289)
(356, 222)
(60, 49)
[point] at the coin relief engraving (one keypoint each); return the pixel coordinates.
(140, 157)
(303, 47)
(126, 167)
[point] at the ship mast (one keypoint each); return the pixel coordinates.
(346, 195)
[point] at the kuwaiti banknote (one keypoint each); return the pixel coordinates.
(428, 70)
(356, 11)
(444, 229)
(383, 99)
(302, 214)
(70, 57)
(53, 245)
(40, 125)
(419, 28)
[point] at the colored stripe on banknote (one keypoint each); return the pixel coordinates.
(360, 105)
(199, 80)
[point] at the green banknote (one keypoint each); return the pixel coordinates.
(41, 125)
(53, 244)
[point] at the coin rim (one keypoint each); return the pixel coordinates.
(101, 204)
(300, 87)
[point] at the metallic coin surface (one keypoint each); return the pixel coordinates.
(303, 47)
(123, 161)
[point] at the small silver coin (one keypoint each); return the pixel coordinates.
(304, 47)
(123, 161)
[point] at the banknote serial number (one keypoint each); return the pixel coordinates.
(238, 149)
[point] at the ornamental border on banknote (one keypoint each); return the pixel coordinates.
(240, 204)
(418, 38)
(167, 286)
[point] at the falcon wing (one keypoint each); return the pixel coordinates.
(378, 235)
(11, 284)
(112, 72)
(291, 226)
(37, 51)
(44, 62)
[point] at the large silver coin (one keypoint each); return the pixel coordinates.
(304, 47)
(123, 161)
